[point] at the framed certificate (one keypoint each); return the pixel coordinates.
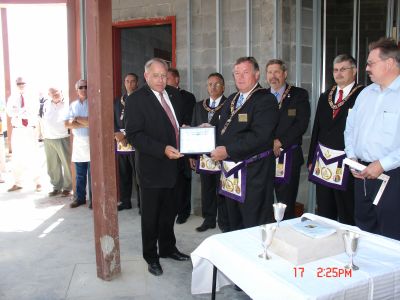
(196, 140)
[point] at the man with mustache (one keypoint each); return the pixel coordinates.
(334, 200)
(294, 115)
(372, 137)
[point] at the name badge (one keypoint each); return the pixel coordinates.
(291, 112)
(242, 117)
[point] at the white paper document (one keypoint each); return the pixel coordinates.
(359, 167)
(313, 229)
(196, 140)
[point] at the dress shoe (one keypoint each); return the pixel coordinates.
(38, 188)
(54, 193)
(181, 220)
(65, 193)
(155, 268)
(122, 207)
(204, 227)
(176, 255)
(77, 203)
(14, 188)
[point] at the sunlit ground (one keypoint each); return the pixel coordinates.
(25, 210)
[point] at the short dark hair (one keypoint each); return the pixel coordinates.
(216, 74)
(345, 57)
(131, 74)
(388, 49)
(174, 72)
(276, 61)
(249, 59)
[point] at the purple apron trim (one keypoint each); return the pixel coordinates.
(241, 167)
(202, 171)
(339, 159)
(288, 165)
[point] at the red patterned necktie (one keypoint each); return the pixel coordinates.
(24, 121)
(340, 99)
(170, 115)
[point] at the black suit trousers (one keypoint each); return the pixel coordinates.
(211, 202)
(127, 173)
(335, 204)
(158, 216)
(184, 188)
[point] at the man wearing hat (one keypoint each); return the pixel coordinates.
(23, 109)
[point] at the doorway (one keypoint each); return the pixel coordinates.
(137, 41)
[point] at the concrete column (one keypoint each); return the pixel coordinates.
(100, 96)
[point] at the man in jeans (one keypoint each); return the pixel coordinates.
(77, 120)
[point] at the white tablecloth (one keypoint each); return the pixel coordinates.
(235, 254)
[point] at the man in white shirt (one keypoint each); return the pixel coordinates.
(57, 143)
(23, 109)
(372, 137)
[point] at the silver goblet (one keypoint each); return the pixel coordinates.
(351, 244)
(267, 235)
(279, 211)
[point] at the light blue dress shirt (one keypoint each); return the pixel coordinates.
(78, 109)
(280, 93)
(373, 126)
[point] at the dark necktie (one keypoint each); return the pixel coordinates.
(211, 113)
(340, 99)
(24, 121)
(170, 115)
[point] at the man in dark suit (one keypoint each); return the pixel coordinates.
(208, 111)
(184, 185)
(153, 116)
(245, 134)
(294, 115)
(125, 157)
(328, 130)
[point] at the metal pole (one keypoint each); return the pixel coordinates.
(298, 43)
(248, 28)
(83, 39)
(218, 30)
(189, 45)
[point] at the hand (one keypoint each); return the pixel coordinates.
(373, 170)
(185, 126)
(205, 125)
(219, 153)
(172, 153)
(119, 136)
(277, 147)
(355, 173)
(192, 163)
(309, 167)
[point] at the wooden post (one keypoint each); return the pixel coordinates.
(101, 126)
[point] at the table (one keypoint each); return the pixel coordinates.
(235, 255)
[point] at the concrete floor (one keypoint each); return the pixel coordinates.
(47, 252)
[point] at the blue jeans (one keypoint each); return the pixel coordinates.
(82, 178)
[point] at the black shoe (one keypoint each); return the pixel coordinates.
(155, 268)
(176, 255)
(54, 193)
(77, 203)
(204, 227)
(181, 220)
(122, 207)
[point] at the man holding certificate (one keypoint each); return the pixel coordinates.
(208, 111)
(152, 119)
(245, 133)
(372, 137)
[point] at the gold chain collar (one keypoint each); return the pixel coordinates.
(212, 110)
(337, 106)
(285, 93)
(235, 111)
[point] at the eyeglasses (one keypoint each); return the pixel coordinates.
(83, 87)
(20, 83)
(341, 70)
(157, 76)
(216, 85)
(371, 63)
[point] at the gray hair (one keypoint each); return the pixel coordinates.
(249, 59)
(77, 83)
(148, 64)
(345, 57)
(388, 49)
(276, 61)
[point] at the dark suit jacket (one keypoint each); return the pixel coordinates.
(244, 139)
(200, 115)
(294, 116)
(188, 104)
(149, 130)
(118, 123)
(326, 130)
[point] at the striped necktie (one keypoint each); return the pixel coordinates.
(211, 113)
